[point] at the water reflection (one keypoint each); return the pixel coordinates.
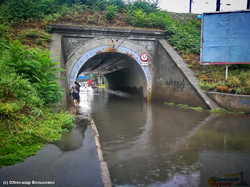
(74, 139)
(157, 145)
(70, 162)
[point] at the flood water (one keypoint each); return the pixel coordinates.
(157, 145)
(152, 145)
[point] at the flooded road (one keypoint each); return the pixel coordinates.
(151, 145)
(69, 162)
(157, 145)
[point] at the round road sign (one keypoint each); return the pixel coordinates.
(144, 57)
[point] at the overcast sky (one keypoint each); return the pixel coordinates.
(200, 6)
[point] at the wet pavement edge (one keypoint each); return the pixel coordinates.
(103, 165)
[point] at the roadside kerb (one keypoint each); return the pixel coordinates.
(103, 165)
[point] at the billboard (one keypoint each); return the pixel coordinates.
(225, 38)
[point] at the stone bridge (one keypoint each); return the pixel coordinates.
(139, 62)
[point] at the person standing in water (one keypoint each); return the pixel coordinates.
(75, 90)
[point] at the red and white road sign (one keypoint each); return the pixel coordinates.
(144, 57)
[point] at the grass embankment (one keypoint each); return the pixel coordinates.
(28, 93)
(28, 96)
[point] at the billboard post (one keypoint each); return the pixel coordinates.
(226, 77)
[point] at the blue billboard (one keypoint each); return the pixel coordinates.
(225, 38)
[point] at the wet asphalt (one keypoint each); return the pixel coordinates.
(72, 161)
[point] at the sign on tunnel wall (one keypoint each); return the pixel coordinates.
(226, 38)
(144, 57)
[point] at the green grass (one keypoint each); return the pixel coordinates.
(23, 135)
(218, 111)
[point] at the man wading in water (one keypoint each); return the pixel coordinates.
(75, 90)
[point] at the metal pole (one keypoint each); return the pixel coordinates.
(248, 4)
(190, 6)
(226, 72)
(218, 5)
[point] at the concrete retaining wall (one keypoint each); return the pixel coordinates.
(240, 103)
(174, 82)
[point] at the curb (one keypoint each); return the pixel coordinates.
(106, 180)
(231, 102)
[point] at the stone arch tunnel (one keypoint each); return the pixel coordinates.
(117, 60)
(116, 54)
(121, 72)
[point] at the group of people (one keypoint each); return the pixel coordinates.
(75, 92)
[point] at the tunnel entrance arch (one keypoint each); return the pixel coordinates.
(120, 63)
(172, 81)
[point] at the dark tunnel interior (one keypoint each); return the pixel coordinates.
(121, 71)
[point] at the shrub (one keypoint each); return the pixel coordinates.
(20, 10)
(159, 19)
(35, 65)
(25, 122)
(8, 110)
(102, 5)
(4, 29)
(111, 12)
(15, 87)
(36, 36)
(118, 3)
(239, 66)
(184, 36)
(234, 81)
(139, 18)
(147, 7)
(207, 86)
(69, 1)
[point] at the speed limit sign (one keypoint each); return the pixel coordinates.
(144, 57)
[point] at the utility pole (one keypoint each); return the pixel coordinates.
(248, 4)
(190, 6)
(218, 5)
